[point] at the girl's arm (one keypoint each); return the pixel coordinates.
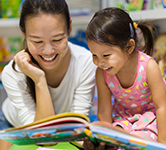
(104, 97)
(158, 91)
(44, 106)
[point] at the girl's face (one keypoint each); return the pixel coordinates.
(109, 58)
(47, 39)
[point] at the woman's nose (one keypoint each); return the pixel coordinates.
(48, 49)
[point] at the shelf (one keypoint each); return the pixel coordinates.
(14, 22)
(78, 20)
(10, 27)
(155, 14)
(11, 22)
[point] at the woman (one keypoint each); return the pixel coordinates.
(51, 75)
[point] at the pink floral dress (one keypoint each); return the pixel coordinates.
(133, 108)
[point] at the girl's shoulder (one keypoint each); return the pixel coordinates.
(143, 55)
(143, 58)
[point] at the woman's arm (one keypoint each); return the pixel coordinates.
(83, 76)
(158, 91)
(104, 97)
(44, 106)
(16, 88)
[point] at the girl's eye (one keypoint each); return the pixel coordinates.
(94, 55)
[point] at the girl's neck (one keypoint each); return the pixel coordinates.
(127, 74)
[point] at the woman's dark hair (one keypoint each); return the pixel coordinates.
(32, 8)
(111, 26)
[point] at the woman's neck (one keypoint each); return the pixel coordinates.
(55, 76)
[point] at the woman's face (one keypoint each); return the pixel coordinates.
(47, 39)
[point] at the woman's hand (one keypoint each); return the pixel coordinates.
(88, 145)
(23, 60)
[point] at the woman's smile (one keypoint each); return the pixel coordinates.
(49, 59)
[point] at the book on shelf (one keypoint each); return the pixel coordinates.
(72, 127)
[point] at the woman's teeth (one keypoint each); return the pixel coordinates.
(105, 68)
(49, 59)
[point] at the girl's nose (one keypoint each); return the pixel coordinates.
(101, 63)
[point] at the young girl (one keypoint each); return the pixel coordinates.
(130, 75)
(51, 75)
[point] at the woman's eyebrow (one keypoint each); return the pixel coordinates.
(37, 37)
(61, 34)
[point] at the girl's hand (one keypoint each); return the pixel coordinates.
(161, 141)
(88, 145)
(23, 60)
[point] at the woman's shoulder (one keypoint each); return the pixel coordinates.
(82, 58)
(8, 68)
(79, 51)
(9, 73)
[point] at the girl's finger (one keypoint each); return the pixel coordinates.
(88, 145)
(101, 146)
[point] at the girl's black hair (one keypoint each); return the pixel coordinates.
(111, 26)
(32, 8)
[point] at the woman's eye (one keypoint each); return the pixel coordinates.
(56, 40)
(106, 55)
(37, 42)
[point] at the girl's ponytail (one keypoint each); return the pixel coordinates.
(146, 29)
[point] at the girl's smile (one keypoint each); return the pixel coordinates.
(108, 69)
(109, 58)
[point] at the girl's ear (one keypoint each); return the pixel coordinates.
(130, 46)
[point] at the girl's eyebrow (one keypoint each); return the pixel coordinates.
(37, 37)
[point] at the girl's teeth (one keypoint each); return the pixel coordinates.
(48, 59)
(107, 68)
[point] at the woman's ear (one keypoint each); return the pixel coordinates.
(130, 46)
(70, 29)
(23, 33)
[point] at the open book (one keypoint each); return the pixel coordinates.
(70, 127)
